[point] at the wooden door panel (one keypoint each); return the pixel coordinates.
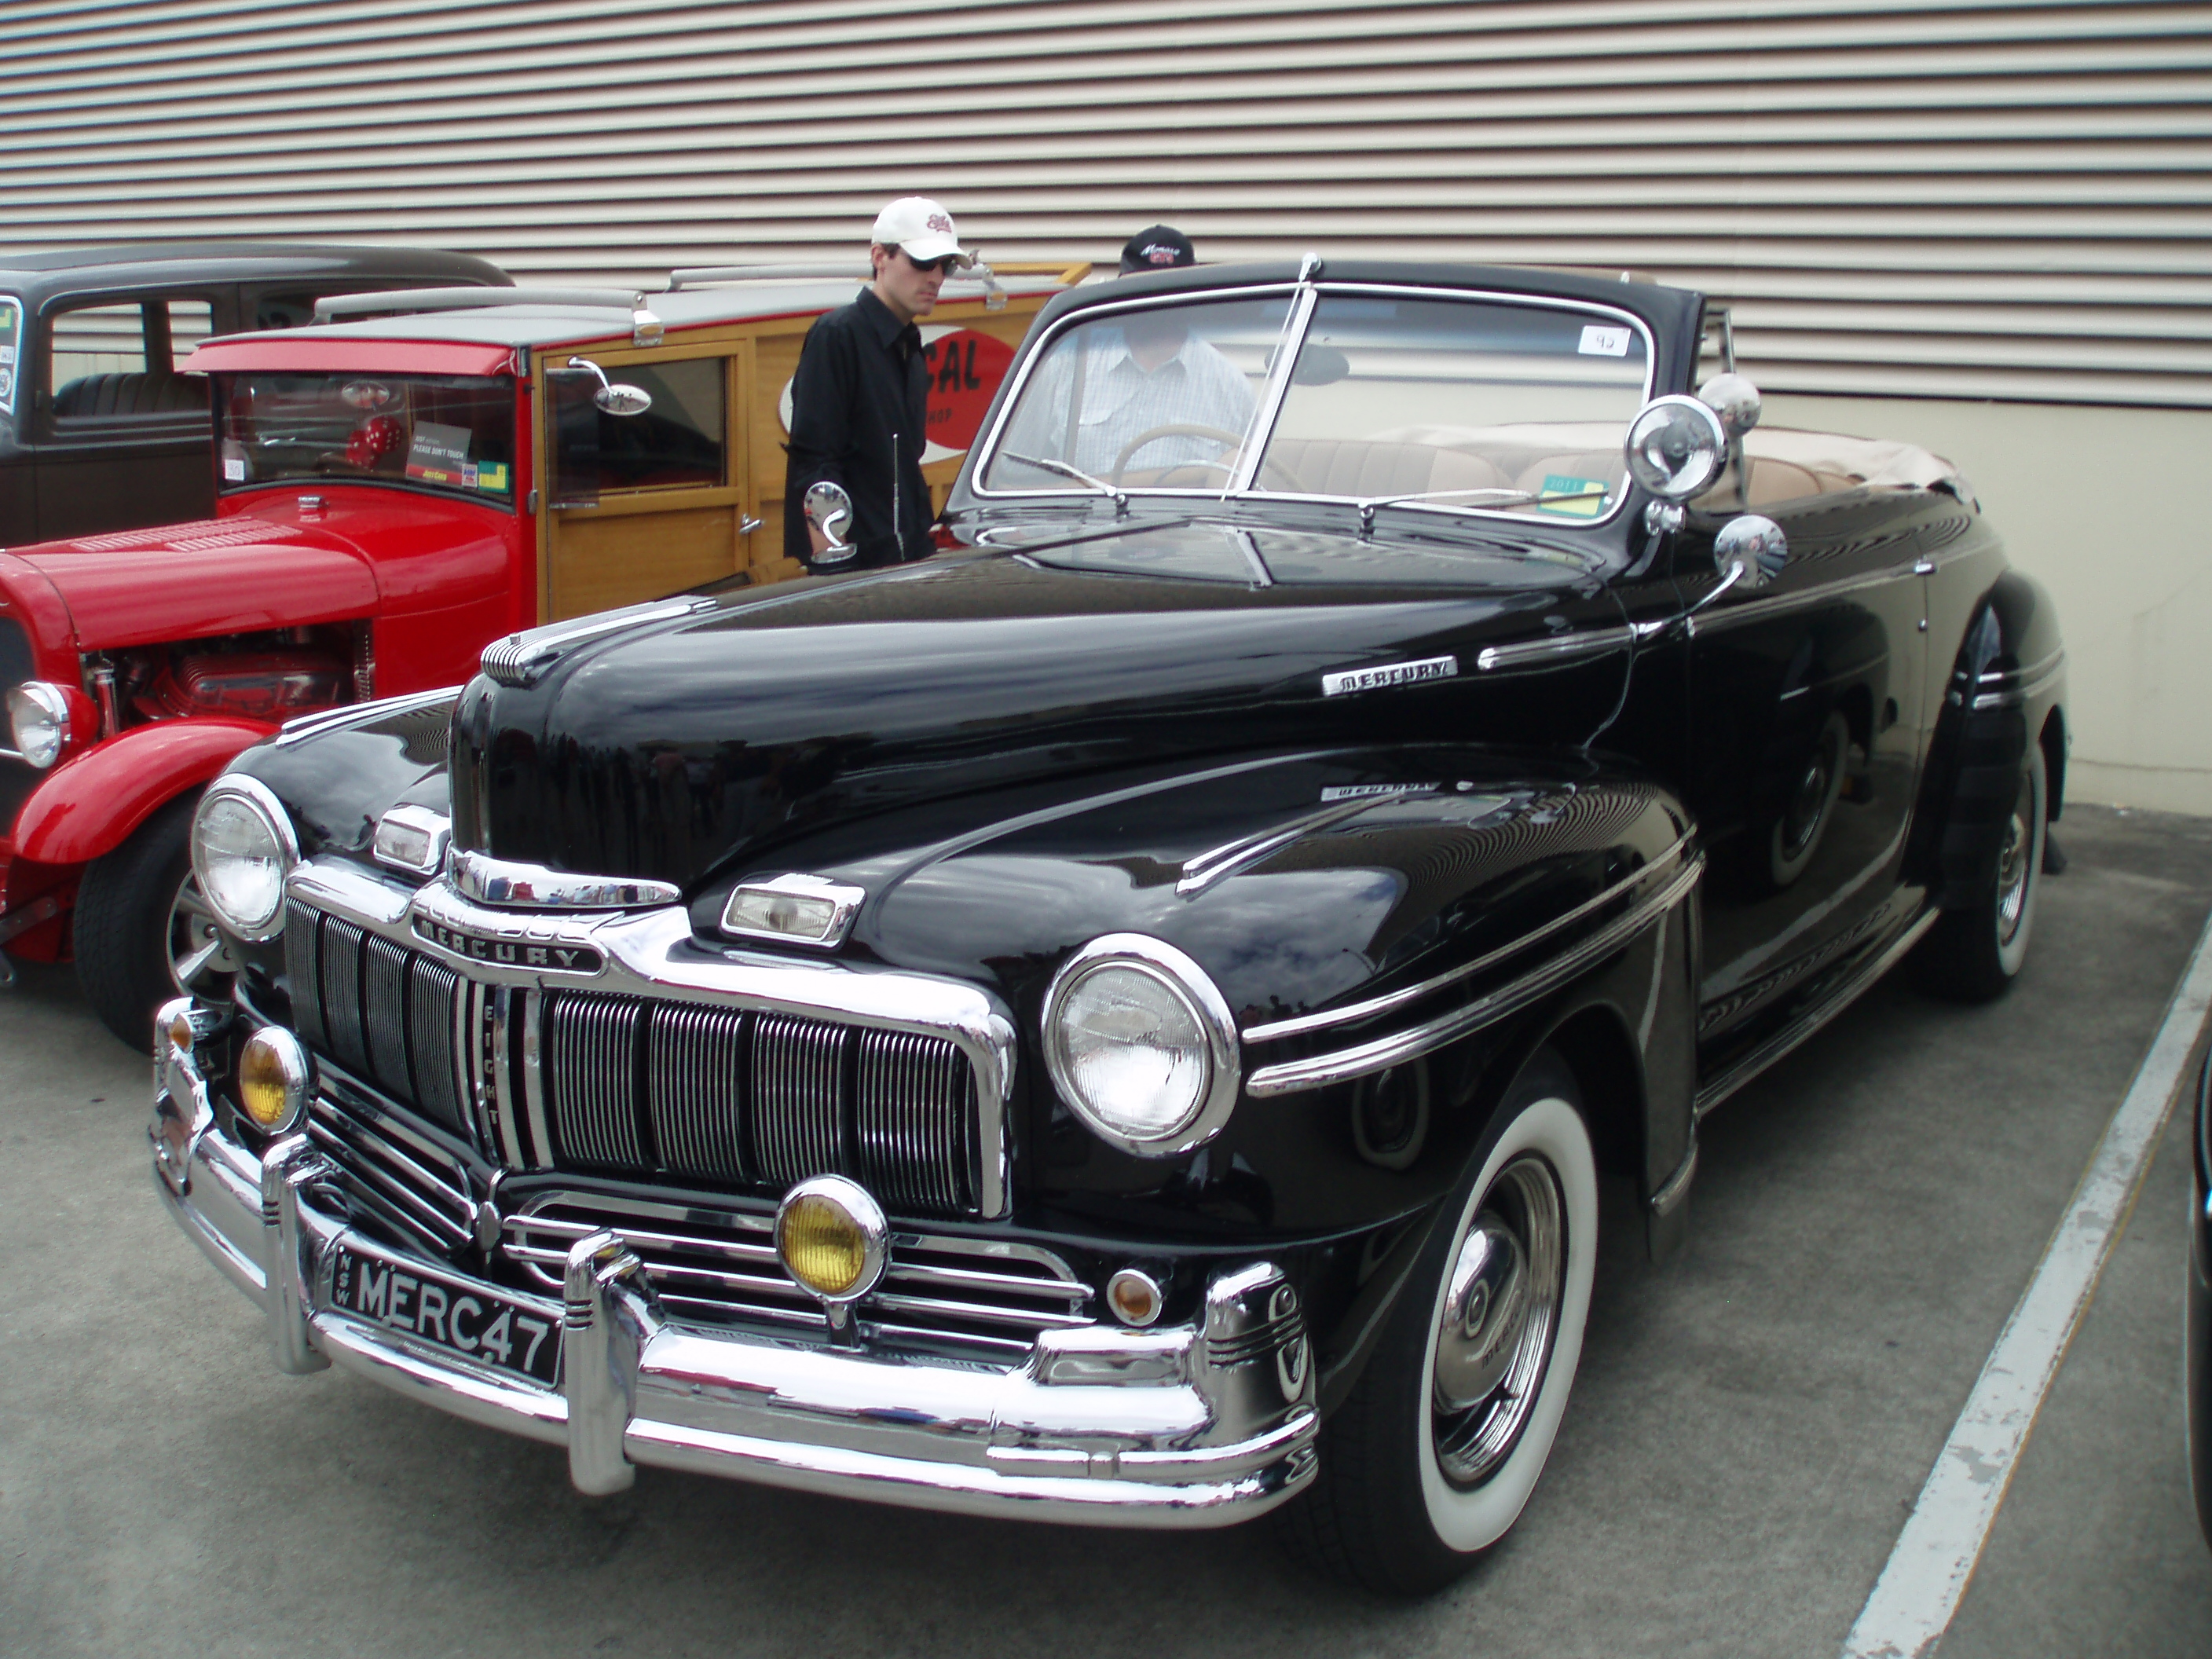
(600, 563)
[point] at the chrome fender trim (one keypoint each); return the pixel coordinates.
(1380, 1053)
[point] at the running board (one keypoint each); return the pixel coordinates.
(1806, 1024)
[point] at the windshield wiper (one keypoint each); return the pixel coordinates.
(1119, 497)
(1504, 497)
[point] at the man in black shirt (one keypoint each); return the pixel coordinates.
(860, 400)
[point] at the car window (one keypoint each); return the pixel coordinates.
(1158, 398)
(679, 442)
(11, 341)
(1479, 404)
(120, 360)
(450, 433)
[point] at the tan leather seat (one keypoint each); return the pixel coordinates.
(1361, 468)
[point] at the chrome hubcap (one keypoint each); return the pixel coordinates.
(200, 959)
(1500, 1314)
(2013, 871)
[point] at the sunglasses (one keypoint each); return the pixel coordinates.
(944, 267)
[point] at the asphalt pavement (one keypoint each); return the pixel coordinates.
(1749, 1430)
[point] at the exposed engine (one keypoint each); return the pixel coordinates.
(271, 675)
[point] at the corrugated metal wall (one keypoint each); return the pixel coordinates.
(2007, 200)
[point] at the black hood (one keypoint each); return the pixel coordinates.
(680, 747)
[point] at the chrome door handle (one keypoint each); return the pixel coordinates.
(745, 525)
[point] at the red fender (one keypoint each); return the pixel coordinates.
(91, 803)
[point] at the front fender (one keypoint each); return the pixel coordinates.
(1308, 886)
(90, 806)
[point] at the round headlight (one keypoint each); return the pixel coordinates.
(37, 722)
(242, 849)
(1141, 1045)
(1676, 447)
(274, 1079)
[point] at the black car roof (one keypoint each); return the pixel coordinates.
(35, 275)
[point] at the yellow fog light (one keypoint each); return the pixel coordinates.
(830, 1235)
(273, 1079)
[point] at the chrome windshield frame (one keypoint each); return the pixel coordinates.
(1306, 296)
(987, 448)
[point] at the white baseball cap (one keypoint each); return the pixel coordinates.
(922, 227)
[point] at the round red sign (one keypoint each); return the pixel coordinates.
(965, 368)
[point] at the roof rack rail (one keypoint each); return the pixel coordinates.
(994, 297)
(645, 327)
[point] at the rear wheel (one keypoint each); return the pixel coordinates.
(1431, 1459)
(143, 933)
(1974, 954)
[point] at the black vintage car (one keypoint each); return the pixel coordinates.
(1125, 1021)
(98, 431)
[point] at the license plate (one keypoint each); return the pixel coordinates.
(453, 1315)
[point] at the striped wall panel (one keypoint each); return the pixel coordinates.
(1969, 200)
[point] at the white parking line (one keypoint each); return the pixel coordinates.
(1927, 1573)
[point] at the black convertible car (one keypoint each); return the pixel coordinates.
(1125, 1021)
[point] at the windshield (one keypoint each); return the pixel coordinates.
(1159, 399)
(1450, 405)
(452, 433)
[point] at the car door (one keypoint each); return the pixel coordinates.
(1807, 701)
(122, 439)
(641, 506)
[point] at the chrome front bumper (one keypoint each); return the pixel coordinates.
(1198, 1426)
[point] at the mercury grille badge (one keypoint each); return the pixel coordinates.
(1394, 673)
(514, 953)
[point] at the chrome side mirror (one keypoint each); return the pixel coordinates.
(1735, 400)
(613, 397)
(829, 510)
(1750, 552)
(1676, 447)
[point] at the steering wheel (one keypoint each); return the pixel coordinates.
(1190, 430)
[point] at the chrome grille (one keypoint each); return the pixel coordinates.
(302, 968)
(695, 1085)
(915, 1116)
(384, 987)
(433, 989)
(797, 1127)
(637, 1087)
(389, 1175)
(380, 1010)
(341, 988)
(984, 1298)
(591, 1078)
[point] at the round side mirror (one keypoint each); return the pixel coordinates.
(1734, 399)
(613, 397)
(829, 510)
(1676, 447)
(1754, 548)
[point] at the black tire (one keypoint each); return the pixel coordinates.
(1412, 1487)
(142, 932)
(1973, 953)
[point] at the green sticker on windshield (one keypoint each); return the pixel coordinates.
(1581, 498)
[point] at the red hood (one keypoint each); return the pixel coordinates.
(231, 575)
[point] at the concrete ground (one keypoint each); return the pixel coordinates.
(1750, 1427)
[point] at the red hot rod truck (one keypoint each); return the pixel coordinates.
(393, 493)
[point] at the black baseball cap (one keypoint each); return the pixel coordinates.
(1161, 248)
